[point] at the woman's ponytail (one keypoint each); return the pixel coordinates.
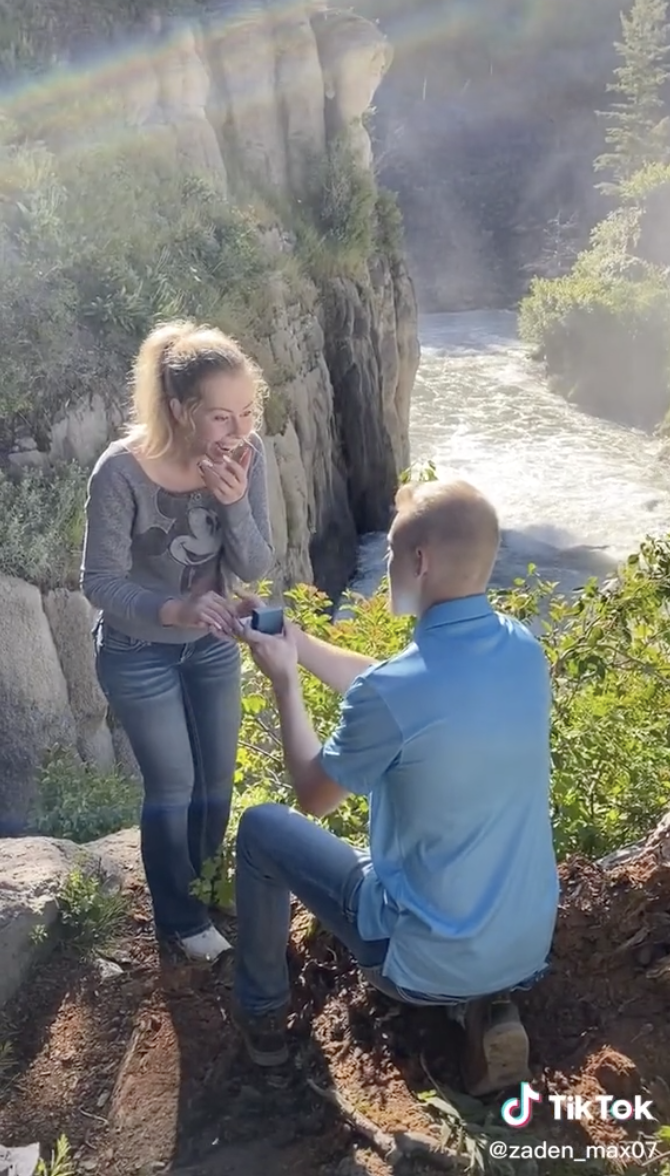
(152, 423)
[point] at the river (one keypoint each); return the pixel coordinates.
(575, 494)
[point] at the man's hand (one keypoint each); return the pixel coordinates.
(276, 657)
(227, 480)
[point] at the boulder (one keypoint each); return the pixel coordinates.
(19, 1161)
(71, 619)
(35, 711)
(32, 870)
(119, 855)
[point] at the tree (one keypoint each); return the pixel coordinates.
(639, 133)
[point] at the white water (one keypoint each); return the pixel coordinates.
(575, 494)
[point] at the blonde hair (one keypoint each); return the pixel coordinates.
(171, 364)
(455, 520)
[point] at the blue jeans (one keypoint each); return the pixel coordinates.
(279, 853)
(180, 706)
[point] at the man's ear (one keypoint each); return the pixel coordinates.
(420, 562)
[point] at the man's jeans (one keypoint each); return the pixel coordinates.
(180, 706)
(279, 853)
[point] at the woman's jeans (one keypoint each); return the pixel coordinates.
(180, 706)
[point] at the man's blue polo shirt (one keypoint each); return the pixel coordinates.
(450, 742)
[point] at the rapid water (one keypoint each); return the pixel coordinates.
(575, 494)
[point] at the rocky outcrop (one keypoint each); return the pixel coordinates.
(254, 96)
(32, 871)
(354, 56)
(258, 93)
(49, 692)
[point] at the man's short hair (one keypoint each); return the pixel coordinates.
(449, 517)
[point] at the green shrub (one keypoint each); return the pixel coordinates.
(334, 225)
(79, 803)
(388, 224)
(42, 525)
(99, 243)
(91, 916)
(609, 650)
(61, 1162)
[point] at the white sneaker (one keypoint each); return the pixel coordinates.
(206, 947)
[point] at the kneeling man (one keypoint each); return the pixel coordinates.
(456, 901)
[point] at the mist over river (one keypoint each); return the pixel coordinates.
(575, 494)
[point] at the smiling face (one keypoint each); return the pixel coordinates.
(223, 416)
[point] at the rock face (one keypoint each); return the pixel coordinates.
(49, 693)
(253, 95)
(32, 872)
(35, 711)
(354, 56)
(260, 91)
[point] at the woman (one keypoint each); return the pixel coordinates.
(175, 511)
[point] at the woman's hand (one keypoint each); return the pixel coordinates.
(209, 611)
(228, 479)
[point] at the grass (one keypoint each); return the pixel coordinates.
(60, 1163)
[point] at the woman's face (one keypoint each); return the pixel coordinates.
(224, 415)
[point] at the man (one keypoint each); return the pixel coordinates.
(456, 903)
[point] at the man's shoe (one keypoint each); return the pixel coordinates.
(264, 1035)
(206, 947)
(496, 1049)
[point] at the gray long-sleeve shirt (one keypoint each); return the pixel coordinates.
(145, 545)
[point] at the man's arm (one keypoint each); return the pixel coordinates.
(316, 793)
(336, 668)
(353, 760)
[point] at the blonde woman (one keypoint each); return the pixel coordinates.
(175, 511)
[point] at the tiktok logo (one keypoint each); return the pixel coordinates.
(518, 1112)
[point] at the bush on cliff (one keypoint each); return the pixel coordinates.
(604, 328)
(609, 650)
(96, 245)
(42, 527)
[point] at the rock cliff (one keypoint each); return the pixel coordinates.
(247, 107)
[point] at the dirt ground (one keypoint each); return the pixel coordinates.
(144, 1072)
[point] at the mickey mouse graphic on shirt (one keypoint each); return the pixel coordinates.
(191, 536)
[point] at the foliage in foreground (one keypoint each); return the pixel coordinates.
(609, 650)
(60, 1164)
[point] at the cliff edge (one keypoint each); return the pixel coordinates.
(210, 162)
